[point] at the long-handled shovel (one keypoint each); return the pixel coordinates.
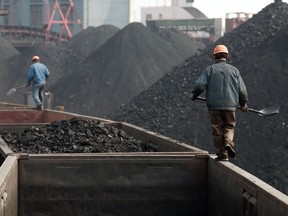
(268, 111)
(13, 90)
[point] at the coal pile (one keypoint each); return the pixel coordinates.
(258, 49)
(60, 60)
(89, 40)
(74, 136)
(101, 68)
(7, 50)
(184, 45)
(128, 63)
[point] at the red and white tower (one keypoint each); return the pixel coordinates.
(64, 19)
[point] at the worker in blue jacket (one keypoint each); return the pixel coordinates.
(37, 76)
(225, 90)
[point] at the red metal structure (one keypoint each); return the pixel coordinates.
(57, 12)
(233, 20)
(64, 21)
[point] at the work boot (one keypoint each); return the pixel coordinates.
(221, 158)
(39, 107)
(230, 150)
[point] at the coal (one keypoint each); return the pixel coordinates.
(74, 136)
(60, 60)
(258, 49)
(101, 68)
(128, 63)
(7, 50)
(89, 40)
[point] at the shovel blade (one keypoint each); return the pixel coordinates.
(11, 91)
(268, 111)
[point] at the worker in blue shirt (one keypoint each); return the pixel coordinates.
(37, 76)
(225, 89)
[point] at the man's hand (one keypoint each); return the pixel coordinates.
(193, 97)
(245, 108)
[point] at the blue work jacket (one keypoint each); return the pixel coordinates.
(38, 74)
(224, 87)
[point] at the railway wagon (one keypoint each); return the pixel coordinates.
(178, 179)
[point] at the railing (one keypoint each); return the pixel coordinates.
(29, 35)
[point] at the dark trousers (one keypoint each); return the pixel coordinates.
(223, 123)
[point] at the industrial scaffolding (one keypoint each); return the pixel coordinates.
(60, 13)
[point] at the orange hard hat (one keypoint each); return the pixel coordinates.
(220, 49)
(35, 58)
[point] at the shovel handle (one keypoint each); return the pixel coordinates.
(268, 111)
(238, 107)
(23, 86)
(254, 110)
(201, 98)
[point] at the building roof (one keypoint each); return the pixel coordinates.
(197, 14)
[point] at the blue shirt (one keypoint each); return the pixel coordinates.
(38, 73)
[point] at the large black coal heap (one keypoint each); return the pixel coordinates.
(128, 63)
(60, 59)
(100, 68)
(74, 136)
(258, 49)
(7, 50)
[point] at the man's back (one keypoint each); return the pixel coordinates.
(223, 85)
(38, 72)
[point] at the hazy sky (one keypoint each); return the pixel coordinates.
(212, 8)
(218, 8)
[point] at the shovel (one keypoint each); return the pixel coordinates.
(13, 90)
(268, 111)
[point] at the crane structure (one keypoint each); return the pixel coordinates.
(64, 19)
(56, 12)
